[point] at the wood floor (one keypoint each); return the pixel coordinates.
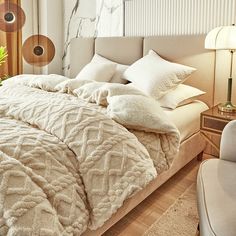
(147, 212)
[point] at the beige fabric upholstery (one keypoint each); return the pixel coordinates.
(180, 49)
(216, 189)
(126, 50)
(217, 198)
(81, 53)
(228, 142)
(123, 50)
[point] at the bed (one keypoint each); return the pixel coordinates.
(62, 162)
(188, 50)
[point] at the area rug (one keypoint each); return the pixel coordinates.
(181, 219)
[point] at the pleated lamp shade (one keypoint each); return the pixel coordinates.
(220, 38)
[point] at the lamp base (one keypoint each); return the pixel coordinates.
(227, 107)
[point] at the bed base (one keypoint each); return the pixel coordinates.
(189, 149)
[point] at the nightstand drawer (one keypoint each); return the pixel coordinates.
(213, 124)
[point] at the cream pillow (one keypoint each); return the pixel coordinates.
(139, 113)
(118, 76)
(180, 96)
(101, 72)
(156, 76)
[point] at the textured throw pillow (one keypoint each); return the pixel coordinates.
(101, 72)
(180, 96)
(118, 76)
(156, 76)
(139, 113)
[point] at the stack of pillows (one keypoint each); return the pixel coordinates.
(154, 76)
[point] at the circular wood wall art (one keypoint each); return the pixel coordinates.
(12, 17)
(38, 50)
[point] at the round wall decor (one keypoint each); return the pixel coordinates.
(38, 50)
(12, 17)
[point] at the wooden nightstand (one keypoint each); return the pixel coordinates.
(213, 122)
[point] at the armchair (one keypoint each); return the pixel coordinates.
(216, 188)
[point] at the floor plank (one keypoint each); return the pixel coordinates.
(147, 212)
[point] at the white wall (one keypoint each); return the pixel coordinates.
(184, 17)
(109, 18)
(62, 20)
(177, 17)
(78, 21)
(90, 18)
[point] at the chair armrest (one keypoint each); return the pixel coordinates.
(228, 142)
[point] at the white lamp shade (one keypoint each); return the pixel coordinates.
(221, 38)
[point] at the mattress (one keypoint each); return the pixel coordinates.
(187, 118)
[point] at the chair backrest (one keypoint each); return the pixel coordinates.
(228, 142)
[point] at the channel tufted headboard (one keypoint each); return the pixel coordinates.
(188, 50)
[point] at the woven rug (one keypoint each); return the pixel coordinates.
(181, 219)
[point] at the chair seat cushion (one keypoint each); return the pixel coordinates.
(216, 189)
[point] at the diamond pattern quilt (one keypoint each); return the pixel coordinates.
(65, 166)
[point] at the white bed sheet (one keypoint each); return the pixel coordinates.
(187, 118)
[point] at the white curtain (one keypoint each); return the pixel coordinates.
(45, 18)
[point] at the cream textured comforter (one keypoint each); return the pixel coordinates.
(65, 165)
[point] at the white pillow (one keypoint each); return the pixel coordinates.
(156, 76)
(139, 113)
(118, 77)
(101, 72)
(180, 96)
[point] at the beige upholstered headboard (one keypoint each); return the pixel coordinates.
(125, 50)
(188, 50)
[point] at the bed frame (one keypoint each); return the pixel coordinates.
(188, 50)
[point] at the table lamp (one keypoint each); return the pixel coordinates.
(224, 38)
